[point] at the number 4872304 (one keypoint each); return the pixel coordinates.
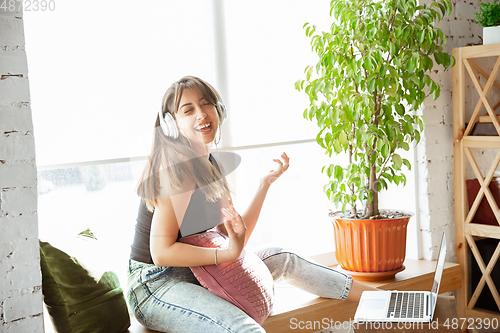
(28, 5)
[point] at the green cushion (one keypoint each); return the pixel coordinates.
(76, 301)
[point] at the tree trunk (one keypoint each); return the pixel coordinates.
(372, 206)
(354, 209)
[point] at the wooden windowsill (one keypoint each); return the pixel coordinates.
(294, 304)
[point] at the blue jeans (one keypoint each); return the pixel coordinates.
(170, 299)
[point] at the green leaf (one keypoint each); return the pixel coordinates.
(337, 147)
(407, 163)
(380, 143)
(421, 36)
(309, 73)
(392, 49)
(436, 92)
(343, 138)
(348, 114)
(397, 160)
(382, 184)
(329, 171)
(297, 85)
(446, 60)
(410, 66)
(400, 109)
(439, 57)
(448, 5)
(398, 32)
(87, 233)
(415, 80)
(339, 173)
(442, 8)
(385, 151)
(371, 85)
(427, 80)
(319, 140)
(405, 146)
(328, 138)
(408, 128)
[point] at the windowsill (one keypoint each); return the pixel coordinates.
(292, 302)
(326, 259)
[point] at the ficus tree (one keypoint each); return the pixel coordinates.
(366, 89)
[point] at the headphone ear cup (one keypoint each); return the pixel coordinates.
(168, 125)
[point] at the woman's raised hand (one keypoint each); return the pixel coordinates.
(236, 230)
(275, 174)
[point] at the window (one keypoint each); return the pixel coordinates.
(96, 197)
(267, 52)
(98, 72)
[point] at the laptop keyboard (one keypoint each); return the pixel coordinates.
(406, 305)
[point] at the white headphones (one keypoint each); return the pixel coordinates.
(169, 126)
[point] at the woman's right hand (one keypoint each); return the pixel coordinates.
(236, 230)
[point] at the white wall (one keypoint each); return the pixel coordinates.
(435, 154)
(20, 278)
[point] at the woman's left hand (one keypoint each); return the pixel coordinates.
(275, 174)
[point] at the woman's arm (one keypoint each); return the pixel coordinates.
(169, 213)
(252, 213)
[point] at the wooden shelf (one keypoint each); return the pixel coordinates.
(467, 67)
(487, 118)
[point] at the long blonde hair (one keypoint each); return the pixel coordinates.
(176, 157)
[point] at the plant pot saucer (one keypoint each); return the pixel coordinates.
(372, 276)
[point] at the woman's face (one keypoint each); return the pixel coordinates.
(197, 118)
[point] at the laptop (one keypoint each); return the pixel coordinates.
(402, 306)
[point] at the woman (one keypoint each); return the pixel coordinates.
(185, 188)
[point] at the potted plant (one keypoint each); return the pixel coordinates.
(365, 93)
(488, 17)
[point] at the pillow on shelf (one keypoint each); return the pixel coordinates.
(245, 282)
(484, 213)
(76, 301)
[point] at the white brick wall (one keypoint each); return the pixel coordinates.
(20, 279)
(435, 154)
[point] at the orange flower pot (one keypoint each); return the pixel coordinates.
(370, 245)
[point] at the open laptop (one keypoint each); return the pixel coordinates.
(402, 306)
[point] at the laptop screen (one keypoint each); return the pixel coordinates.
(439, 266)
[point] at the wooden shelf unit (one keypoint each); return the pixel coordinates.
(465, 231)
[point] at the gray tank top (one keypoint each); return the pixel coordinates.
(201, 215)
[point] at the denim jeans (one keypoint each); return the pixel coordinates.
(170, 299)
